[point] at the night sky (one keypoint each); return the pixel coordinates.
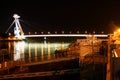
(48, 15)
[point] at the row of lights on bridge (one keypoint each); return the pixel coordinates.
(64, 32)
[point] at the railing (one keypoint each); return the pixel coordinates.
(27, 62)
(65, 35)
(94, 59)
(7, 65)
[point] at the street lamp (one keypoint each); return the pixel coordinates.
(93, 32)
(63, 32)
(116, 36)
(85, 32)
(78, 32)
(35, 32)
(113, 39)
(41, 32)
(108, 76)
(102, 32)
(118, 30)
(70, 32)
(29, 33)
(48, 32)
(55, 32)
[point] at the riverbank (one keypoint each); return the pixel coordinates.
(62, 70)
(11, 39)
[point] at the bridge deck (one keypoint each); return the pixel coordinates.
(65, 35)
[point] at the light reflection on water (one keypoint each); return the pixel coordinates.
(32, 51)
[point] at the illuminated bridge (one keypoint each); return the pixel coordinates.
(18, 32)
(66, 35)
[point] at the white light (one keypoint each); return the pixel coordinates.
(16, 16)
(65, 35)
(115, 53)
(22, 36)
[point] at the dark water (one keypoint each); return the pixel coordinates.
(23, 50)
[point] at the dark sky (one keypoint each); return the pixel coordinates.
(48, 15)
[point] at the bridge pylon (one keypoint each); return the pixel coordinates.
(18, 32)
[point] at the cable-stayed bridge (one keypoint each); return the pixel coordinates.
(66, 35)
(18, 32)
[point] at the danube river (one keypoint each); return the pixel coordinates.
(30, 50)
(34, 50)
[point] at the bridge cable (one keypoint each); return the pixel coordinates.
(42, 28)
(10, 26)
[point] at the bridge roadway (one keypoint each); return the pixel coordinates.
(66, 35)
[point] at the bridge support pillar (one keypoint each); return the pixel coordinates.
(44, 38)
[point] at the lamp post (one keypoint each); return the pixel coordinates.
(55, 32)
(108, 75)
(41, 32)
(113, 38)
(110, 61)
(70, 32)
(78, 32)
(85, 32)
(63, 32)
